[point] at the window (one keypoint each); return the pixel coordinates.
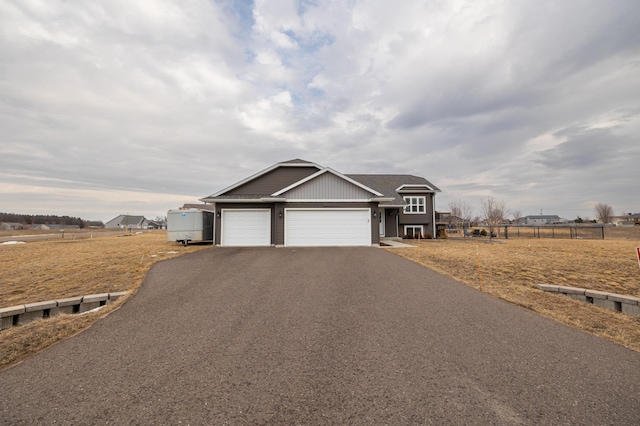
(415, 231)
(415, 205)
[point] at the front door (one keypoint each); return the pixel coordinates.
(381, 218)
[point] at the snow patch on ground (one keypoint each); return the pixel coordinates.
(8, 243)
(93, 310)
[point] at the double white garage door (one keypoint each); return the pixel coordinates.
(302, 227)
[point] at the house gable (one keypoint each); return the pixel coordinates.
(326, 186)
(266, 181)
(273, 181)
(395, 186)
(414, 188)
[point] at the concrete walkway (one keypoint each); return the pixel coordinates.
(320, 336)
(394, 243)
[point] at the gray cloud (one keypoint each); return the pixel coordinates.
(508, 99)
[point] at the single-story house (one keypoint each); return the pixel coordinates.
(630, 219)
(208, 207)
(124, 221)
(58, 226)
(156, 224)
(300, 203)
(7, 226)
(542, 219)
(40, 227)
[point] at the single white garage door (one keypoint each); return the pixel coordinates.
(246, 228)
(327, 227)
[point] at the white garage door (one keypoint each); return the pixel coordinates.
(246, 228)
(328, 227)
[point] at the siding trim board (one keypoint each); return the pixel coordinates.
(339, 200)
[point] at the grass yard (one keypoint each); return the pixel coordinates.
(59, 268)
(510, 269)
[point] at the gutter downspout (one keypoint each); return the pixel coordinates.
(433, 210)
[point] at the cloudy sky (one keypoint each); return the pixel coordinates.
(110, 107)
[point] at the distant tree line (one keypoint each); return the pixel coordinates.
(29, 219)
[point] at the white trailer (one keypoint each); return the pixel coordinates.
(190, 225)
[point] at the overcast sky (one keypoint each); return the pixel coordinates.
(110, 107)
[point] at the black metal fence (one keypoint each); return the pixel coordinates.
(594, 232)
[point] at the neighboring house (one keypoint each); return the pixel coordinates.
(542, 220)
(451, 220)
(40, 227)
(7, 226)
(126, 222)
(155, 224)
(299, 203)
(208, 207)
(630, 219)
(58, 226)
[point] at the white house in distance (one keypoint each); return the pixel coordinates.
(125, 222)
(551, 219)
(5, 226)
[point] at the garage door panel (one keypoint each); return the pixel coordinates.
(326, 227)
(246, 228)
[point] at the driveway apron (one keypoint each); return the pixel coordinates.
(320, 336)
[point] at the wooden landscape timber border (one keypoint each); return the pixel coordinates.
(618, 302)
(22, 314)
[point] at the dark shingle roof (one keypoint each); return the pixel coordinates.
(544, 216)
(132, 220)
(198, 206)
(295, 161)
(239, 196)
(387, 185)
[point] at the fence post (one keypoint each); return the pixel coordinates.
(603, 232)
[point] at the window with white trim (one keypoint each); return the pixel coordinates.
(415, 231)
(415, 205)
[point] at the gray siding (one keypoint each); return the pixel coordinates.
(425, 219)
(274, 181)
(328, 187)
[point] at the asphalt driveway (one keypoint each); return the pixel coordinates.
(320, 336)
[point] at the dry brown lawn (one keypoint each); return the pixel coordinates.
(53, 269)
(510, 269)
(50, 269)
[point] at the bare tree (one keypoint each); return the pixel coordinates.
(493, 213)
(461, 213)
(604, 212)
(516, 215)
